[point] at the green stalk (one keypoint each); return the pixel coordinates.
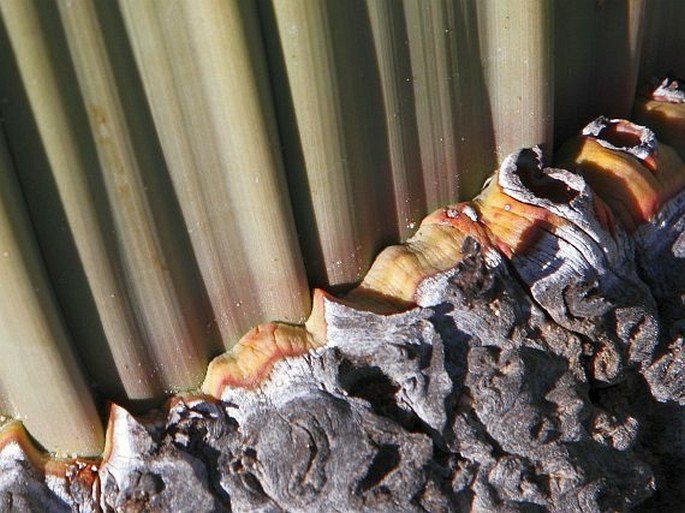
(154, 261)
(516, 41)
(335, 141)
(452, 111)
(40, 380)
(204, 71)
(68, 206)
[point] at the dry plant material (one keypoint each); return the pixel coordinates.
(626, 167)
(398, 271)
(455, 137)
(663, 40)
(389, 31)
(597, 46)
(538, 218)
(662, 108)
(458, 339)
(67, 179)
(204, 73)
(516, 42)
(335, 144)
(164, 299)
(543, 220)
(40, 378)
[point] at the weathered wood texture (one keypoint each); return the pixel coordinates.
(541, 371)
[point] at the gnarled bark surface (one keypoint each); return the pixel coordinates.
(541, 372)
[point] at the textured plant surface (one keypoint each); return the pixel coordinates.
(190, 169)
(174, 172)
(535, 366)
